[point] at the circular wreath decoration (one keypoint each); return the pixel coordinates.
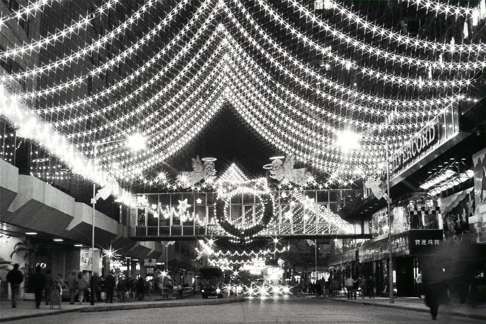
(265, 199)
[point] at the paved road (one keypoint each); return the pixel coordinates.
(295, 310)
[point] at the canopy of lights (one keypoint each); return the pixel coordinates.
(321, 80)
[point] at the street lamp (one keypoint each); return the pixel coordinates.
(390, 224)
(135, 143)
(348, 140)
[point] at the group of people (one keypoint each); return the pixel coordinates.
(78, 285)
(104, 288)
(42, 285)
(366, 285)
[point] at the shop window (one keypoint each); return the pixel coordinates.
(424, 214)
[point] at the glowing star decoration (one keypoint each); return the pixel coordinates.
(183, 206)
(308, 203)
(288, 215)
(285, 171)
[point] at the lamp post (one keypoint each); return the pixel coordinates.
(135, 142)
(390, 224)
(349, 140)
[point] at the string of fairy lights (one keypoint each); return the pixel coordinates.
(188, 59)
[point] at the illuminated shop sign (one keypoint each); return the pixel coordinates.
(428, 136)
(438, 131)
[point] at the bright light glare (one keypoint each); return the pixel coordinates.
(348, 140)
(136, 142)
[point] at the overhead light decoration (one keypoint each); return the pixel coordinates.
(285, 171)
(205, 64)
(202, 169)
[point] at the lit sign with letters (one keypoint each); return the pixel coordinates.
(415, 146)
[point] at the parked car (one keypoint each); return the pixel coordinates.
(211, 282)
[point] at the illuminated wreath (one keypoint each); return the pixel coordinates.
(227, 191)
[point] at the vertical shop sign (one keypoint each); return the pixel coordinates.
(478, 221)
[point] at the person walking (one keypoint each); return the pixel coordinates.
(109, 287)
(349, 283)
(38, 282)
(73, 287)
(140, 288)
(56, 292)
(122, 289)
(49, 286)
(82, 287)
(370, 283)
(15, 278)
(418, 283)
(435, 287)
(95, 291)
(363, 286)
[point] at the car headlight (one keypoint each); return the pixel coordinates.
(218, 290)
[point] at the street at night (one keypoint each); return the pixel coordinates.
(293, 310)
(242, 161)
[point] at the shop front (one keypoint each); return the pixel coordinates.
(408, 250)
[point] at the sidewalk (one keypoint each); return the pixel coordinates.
(416, 304)
(26, 309)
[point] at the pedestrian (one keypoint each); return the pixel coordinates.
(140, 288)
(15, 278)
(349, 283)
(73, 287)
(95, 291)
(56, 292)
(38, 283)
(318, 288)
(435, 287)
(370, 283)
(82, 287)
(418, 282)
(49, 286)
(122, 289)
(109, 287)
(363, 286)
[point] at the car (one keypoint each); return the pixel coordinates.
(211, 282)
(212, 291)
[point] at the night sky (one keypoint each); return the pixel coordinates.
(230, 139)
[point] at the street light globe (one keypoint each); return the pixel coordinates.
(348, 140)
(136, 142)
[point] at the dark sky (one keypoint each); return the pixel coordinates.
(230, 139)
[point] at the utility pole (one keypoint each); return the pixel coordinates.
(390, 224)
